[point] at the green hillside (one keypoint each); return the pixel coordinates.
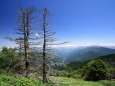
(74, 65)
(107, 57)
(110, 59)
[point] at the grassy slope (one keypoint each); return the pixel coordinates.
(63, 81)
(59, 81)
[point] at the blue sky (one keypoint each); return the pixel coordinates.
(83, 22)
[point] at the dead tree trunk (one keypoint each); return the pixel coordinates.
(44, 48)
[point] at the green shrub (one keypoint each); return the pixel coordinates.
(63, 73)
(8, 57)
(69, 75)
(95, 70)
(77, 74)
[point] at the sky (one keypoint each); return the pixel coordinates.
(82, 22)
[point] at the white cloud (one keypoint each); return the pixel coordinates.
(37, 34)
(83, 45)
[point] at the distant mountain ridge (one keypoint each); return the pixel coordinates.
(88, 53)
(110, 57)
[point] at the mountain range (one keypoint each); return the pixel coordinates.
(82, 54)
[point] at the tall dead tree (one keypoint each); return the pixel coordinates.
(26, 18)
(48, 40)
(25, 29)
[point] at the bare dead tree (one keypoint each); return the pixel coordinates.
(48, 41)
(25, 29)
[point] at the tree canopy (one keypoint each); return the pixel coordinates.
(95, 70)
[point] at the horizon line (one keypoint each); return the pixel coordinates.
(72, 45)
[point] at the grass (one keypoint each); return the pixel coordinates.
(9, 80)
(107, 83)
(64, 81)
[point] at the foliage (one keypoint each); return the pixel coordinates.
(95, 70)
(107, 57)
(77, 74)
(19, 81)
(113, 71)
(8, 57)
(74, 65)
(60, 67)
(7, 72)
(63, 73)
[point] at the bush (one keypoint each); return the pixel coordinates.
(8, 58)
(77, 74)
(95, 70)
(62, 73)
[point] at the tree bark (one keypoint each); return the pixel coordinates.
(44, 51)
